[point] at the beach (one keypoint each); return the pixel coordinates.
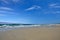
(32, 33)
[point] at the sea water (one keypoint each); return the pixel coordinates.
(11, 27)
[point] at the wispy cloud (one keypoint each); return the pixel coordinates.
(55, 5)
(56, 12)
(52, 12)
(33, 8)
(6, 11)
(9, 1)
(15, 1)
(2, 14)
(5, 1)
(6, 8)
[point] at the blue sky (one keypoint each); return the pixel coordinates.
(30, 11)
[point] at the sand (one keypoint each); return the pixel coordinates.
(44, 33)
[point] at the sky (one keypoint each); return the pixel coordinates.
(30, 11)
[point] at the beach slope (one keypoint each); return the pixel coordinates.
(44, 33)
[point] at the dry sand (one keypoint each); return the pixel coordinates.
(31, 34)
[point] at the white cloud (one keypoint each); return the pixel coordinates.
(6, 8)
(56, 5)
(9, 2)
(5, 11)
(33, 7)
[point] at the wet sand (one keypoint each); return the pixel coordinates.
(44, 33)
